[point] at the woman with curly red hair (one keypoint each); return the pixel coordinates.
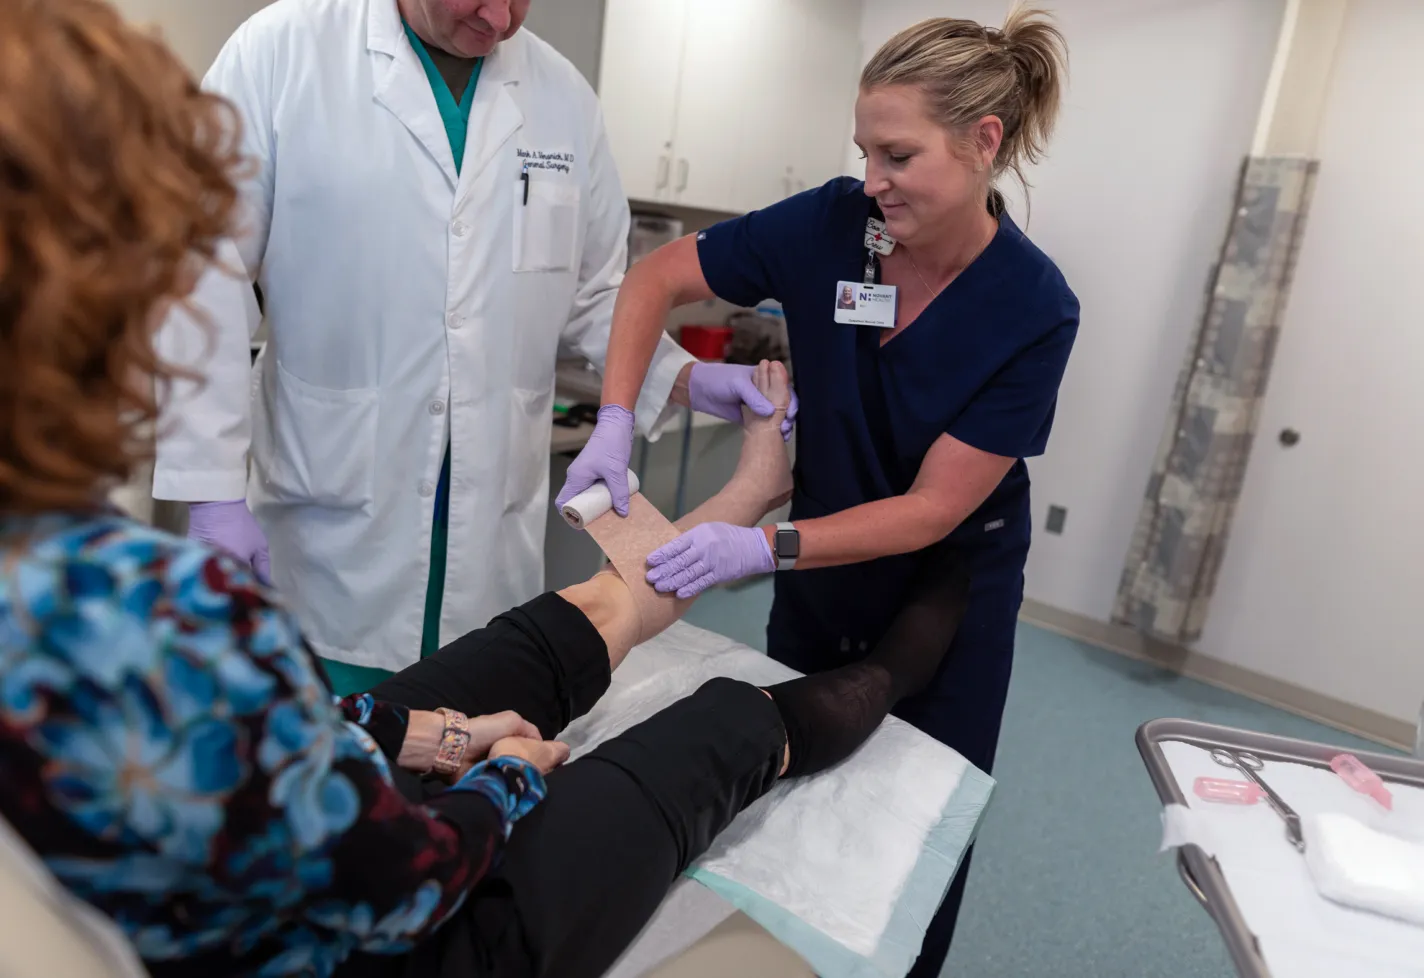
(169, 745)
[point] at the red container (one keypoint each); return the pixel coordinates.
(707, 342)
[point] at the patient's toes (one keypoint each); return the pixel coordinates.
(761, 376)
(770, 378)
(778, 385)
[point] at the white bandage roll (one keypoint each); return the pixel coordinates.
(592, 503)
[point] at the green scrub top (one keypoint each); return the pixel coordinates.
(347, 679)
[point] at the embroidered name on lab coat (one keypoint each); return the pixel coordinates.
(538, 159)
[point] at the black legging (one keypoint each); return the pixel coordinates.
(587, 868)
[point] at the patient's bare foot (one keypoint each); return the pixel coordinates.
(763, 447)
(762, 481)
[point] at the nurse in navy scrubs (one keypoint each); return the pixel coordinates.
(919, 400)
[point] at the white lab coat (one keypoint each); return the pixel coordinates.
(403, 302)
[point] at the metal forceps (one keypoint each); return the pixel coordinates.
(1249, 764)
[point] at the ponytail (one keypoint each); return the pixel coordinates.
(968, 71)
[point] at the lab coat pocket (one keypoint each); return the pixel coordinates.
(317, 445)
(545, 225)
(530, 421)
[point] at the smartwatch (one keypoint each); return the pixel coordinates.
(786, 546)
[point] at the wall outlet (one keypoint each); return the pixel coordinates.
(1057, 516)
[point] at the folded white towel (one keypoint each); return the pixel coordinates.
(1358, 866)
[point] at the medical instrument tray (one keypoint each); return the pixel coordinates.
(1201, 872)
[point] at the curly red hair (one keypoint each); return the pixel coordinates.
(116, 185)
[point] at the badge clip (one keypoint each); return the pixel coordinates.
(876, 238)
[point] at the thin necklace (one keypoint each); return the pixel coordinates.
(934, 293)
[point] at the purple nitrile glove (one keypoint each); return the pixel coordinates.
(231, 526)
(789, 422)
(604, 459)
(712, 553)
(721, 389)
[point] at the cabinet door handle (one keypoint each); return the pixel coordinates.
(682, 171)
(663, 165)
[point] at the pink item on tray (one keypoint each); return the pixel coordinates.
(1357, 775)
(1227, 792)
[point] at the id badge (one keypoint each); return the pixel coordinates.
(859, 304)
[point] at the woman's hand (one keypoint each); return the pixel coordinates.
(422, 739)
(486, 731)
(543, 754)
(604, 459)
(720, 389)
(231, 526)
(708, 554)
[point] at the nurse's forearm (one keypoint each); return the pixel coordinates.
(638, 317)
(882, 528)
(954, 480)
(668, 278)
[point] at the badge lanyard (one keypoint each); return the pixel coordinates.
(869, 303)
(877, 243)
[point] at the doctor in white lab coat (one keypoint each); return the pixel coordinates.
(416, 307)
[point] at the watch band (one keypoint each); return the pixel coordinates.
(453, 743)
(786, 561)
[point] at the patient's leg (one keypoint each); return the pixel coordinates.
(589, 866)
(829, 714)
(608, 603)
(545, 660)
(627, 615)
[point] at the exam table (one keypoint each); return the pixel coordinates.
(845, 869)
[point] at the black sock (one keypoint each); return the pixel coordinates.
(829, 714)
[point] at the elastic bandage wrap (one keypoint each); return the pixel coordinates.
(761, 482)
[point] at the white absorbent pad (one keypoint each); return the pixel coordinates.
(1302, 932)
(1362, 867)
(845, 868)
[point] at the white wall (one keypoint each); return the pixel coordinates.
(1132, 204)
(574, 28)
(1322, 581)
(196, 29)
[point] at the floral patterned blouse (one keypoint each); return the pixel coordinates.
(170, 749)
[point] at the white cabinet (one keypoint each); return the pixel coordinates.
(642, 56)
(769, 127)
(798, 120)
(728, 105)
(712, 89)
(829, 70)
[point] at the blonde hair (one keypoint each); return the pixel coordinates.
(968, 71)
